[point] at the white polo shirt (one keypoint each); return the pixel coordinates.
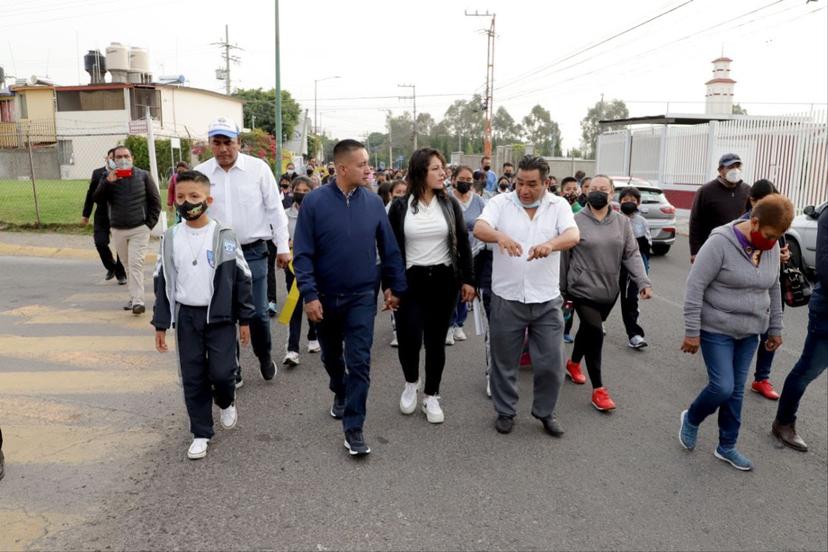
(247, 198)
(515, 278)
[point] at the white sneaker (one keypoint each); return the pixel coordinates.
(198, 449)
(291, 359)
(488, 386)
(637, 342)
(459, 334)
(450, 337)
(433, 412)
(313, 346)
(408, 400)
(229, 417)
(394, 342)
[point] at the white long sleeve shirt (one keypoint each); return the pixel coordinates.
(246, 198)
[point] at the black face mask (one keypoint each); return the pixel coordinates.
(462, 187)
(191, 211)
(598, 200)
(507, 175)
(504, 187)
(298, 197)
(628, 208)
(571, 197)
(487, 167)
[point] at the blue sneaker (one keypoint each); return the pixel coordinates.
(734, 458)
(688, 433)
(568, 338)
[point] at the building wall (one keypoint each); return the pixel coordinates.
(89, 135)
(40, 104)
(189, 112)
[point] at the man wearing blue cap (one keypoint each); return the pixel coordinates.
(245, 196)
(718, 202)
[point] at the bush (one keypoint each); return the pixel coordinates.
(140, 154)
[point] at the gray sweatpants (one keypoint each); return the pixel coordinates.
(510, 322)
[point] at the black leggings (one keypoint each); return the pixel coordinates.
(590, 337)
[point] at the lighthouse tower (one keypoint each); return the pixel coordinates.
(719, 96)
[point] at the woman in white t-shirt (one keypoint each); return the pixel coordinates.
(431, 233)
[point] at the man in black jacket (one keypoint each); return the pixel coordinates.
(113, 267)
(718, 202)
(134, 206)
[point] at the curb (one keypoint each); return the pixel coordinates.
(14, 250)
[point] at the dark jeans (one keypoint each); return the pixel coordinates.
(256, 257)
(764, 358)
(629, 304)
(589, 341)
(206, 355)
(295, 327)
(271, 272)
(811, 363)
(460, 313)
(349, 320)
(728, 363)
(101, 237)
(423, 317)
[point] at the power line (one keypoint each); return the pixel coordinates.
(224, 74)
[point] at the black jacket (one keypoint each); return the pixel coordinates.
(458, 238)
(131, 201)
(101, 216)
(714, 205)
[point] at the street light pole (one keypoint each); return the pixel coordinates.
(315, 85)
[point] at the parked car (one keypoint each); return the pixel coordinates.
(802, 236)
(660, 214)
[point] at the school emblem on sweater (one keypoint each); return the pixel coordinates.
(229, 246)
(211, 259)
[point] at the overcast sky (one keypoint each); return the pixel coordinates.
(780, 52)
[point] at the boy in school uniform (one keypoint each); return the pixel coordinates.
(629, 201)
(203, 286)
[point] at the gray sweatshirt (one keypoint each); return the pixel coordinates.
(591, 269)
(726, 294)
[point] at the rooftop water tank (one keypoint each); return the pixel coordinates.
(117, 60)
(95, 64)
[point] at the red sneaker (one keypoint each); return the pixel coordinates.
(765, 388)
(602, 401)
(573, 371)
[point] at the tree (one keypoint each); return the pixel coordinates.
(465, 121)
(739, 110)
(504, 128)
(543, 132)
(261, 104)
(601, 111)
(575, 153)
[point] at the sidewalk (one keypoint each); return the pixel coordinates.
(71, 246)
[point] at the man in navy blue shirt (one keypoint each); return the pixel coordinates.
(341, 227)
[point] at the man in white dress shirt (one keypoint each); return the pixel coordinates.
(245, 197)
(530, 227)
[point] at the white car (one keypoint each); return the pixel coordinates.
(659, 213)
(801, 237)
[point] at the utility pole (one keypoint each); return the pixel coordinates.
(390, 143)
(224, 74)
(277, 169)
(413, 97)
(488, 102)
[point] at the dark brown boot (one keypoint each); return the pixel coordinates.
(787, 434)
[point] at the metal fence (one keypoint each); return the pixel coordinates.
(789, 150)
(44, 175)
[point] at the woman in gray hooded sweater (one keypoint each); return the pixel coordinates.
(732, 297)
(589, 278)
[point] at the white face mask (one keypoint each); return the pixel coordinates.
(734, 176)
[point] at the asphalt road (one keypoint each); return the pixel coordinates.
(96, 444)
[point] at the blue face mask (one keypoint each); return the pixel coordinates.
(519, 203)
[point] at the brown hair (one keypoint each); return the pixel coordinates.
(775, 211)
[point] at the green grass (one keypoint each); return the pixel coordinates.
(60, 203)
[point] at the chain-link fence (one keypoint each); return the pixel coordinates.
(45, 175)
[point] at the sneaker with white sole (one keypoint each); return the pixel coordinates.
(734, 458)
(198, 448)
(433, 412)
(229, 417)
(394, 342)
(313, 346)
(488, 386)
(291, 359)
(450, 337)
(408, 399)
(636, 342)
(459, 334)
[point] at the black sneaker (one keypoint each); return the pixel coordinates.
(338, 407)
(239, 380)
(355, 443)
(138, 309)
(504, 424)
(128, 306)
(2, 465)
(551, 425)
(109, 275)
(268, 368)
(122, 280)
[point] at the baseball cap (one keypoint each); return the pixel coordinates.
(223, 126)
(729, 159)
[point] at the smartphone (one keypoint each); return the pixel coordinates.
(123, 173)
